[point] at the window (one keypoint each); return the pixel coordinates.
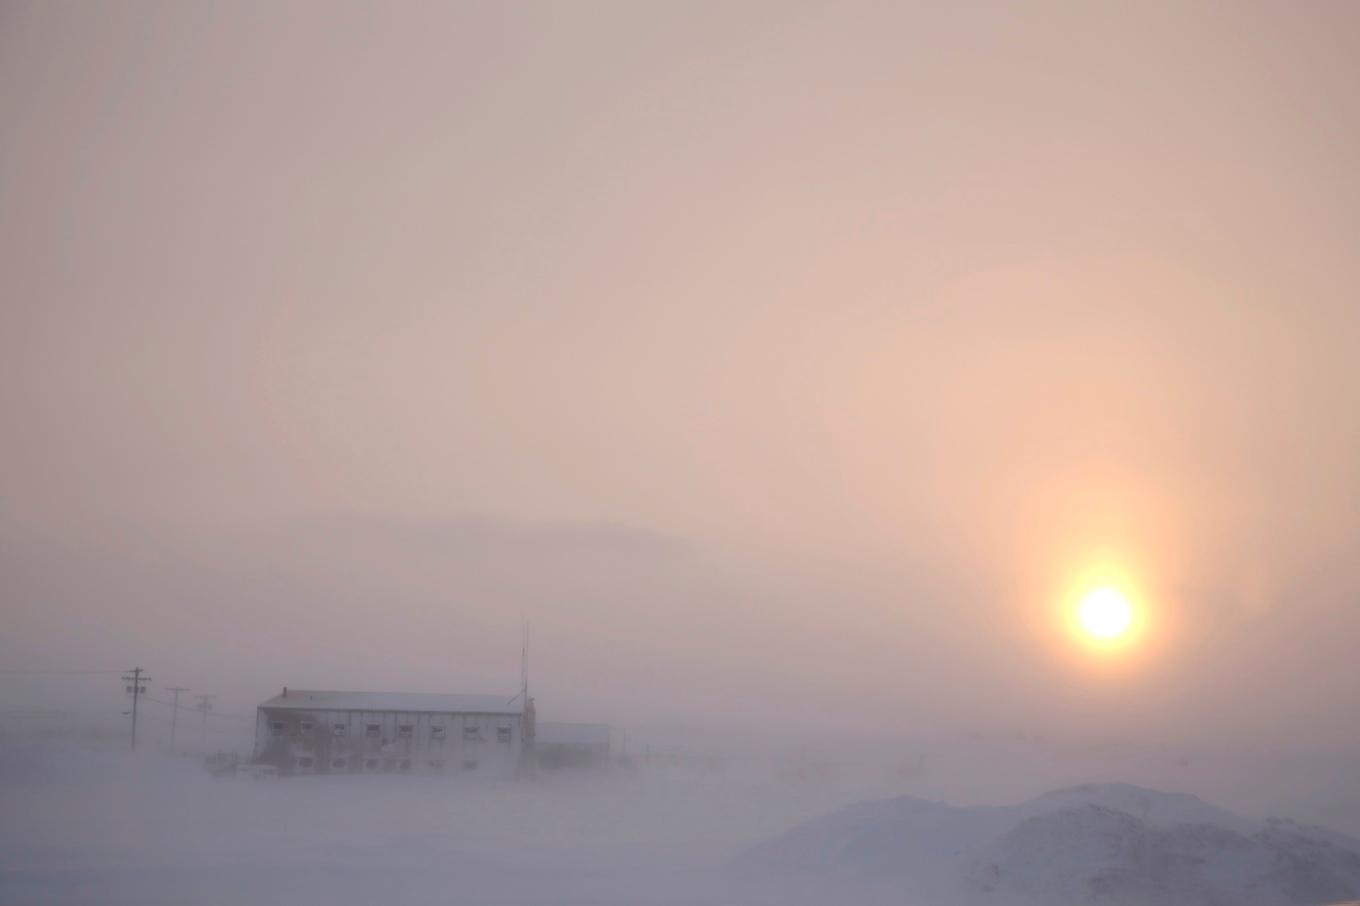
(305, 763)
(338, 764)
(502, 734)
(469, 764)
(371, 764)
(373, 730)
(406, 731)
(437, 764)
(306, 727)
(339, 729)
(437, 732)
(472, 733)
(404, 764)
(276, 728)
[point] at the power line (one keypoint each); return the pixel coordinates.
(228, 715)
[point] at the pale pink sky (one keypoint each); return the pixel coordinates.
(779, 353)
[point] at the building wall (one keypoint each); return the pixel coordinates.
(298, 741)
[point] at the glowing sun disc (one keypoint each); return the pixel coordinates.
(1106, 613)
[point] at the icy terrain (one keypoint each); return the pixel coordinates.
(93, 826)
(90, 823)
(1113, 844)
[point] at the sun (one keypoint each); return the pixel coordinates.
(1106, 613)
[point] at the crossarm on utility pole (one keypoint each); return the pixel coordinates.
(135, 677)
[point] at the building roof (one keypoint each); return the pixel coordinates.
(572, 734)
(437, 702)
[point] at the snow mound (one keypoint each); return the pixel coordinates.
(1155, 807)
(1107, 844)
(921, 847)
(1089, 854)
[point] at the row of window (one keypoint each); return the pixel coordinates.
(405, 731)
(308, 763)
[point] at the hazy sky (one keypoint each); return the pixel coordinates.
(785, 363)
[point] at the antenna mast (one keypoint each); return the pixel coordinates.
(524, 662)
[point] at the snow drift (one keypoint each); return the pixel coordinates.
(1108, 844)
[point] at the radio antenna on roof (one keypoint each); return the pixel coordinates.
(524, 663)
(523, 666)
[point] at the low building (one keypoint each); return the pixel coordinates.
(314, 732)
(572, 745)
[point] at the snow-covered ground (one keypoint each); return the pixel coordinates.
(99, 826)
(1091, 845)
(85, 821)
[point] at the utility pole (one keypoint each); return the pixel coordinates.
(174, 712)
(204, 706)
(135, 680)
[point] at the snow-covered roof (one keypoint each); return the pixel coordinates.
(439, 702)
(572, 734)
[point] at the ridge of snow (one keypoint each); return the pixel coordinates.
(1108, 844)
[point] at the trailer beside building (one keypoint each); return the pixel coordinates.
(321, 732)
(572, 745)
